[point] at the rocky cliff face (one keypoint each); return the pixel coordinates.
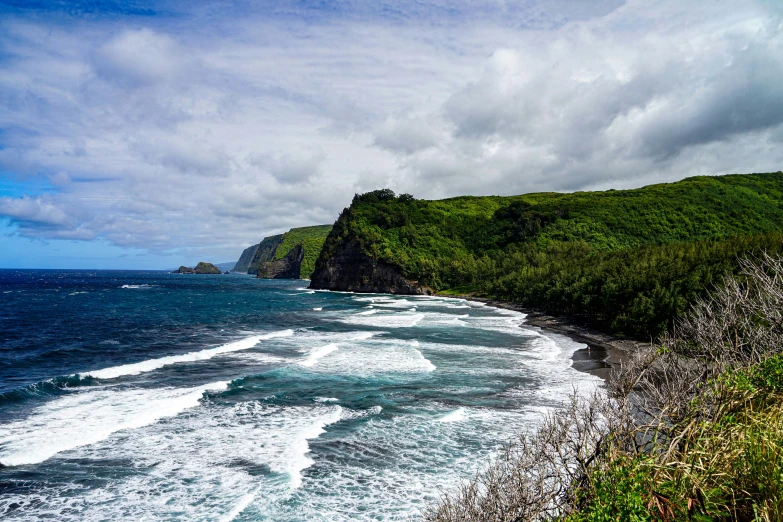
(350, 270)
(265, 253)
(245, 259)
(287, 267)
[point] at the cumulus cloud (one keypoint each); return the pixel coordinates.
(37, 214)
(139, 57)
(617, 102)
(203, 132)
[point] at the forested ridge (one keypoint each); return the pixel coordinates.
(627, 261)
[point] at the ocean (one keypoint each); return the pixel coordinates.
(146, 396)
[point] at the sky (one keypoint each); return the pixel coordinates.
(154, 134)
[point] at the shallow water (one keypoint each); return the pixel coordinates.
(154, 396)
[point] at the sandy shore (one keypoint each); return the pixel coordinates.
(603, 350)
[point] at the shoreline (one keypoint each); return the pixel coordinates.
(603, 351)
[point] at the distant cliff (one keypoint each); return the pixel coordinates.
(626, 261)
(276, 248)
(287, 267)
(243, 263)
(264, 253)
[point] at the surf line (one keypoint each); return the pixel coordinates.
(201, 355)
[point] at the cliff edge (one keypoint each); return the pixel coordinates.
(287, 267)
(349, 269)
(243, 264)
(276, 248)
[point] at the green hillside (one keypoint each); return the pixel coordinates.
(311, 239)
(627, 260)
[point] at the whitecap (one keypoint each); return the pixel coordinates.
(453, 416)
(376, 357)
(318, 354)
(87, 417)
(197, 465)
(386, 320)
(137, 286)
(201, 355)
(242, 505)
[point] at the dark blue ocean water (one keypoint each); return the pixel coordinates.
(155, 396)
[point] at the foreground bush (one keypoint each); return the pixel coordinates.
(688, 429)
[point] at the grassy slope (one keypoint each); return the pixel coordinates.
(311, 238)
(729, 467)
(567, 245)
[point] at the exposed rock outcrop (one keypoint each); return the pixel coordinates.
(351, 270)
(201, 268)
(243, 264)
(287, 267)
(264, 253)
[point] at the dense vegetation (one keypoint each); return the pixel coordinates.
(628, 261)
(690, 428)
(311, 239)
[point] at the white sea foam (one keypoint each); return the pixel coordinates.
(554, 363)
(318, 354)
(420, 459)
(242, 462)
(392, 303)
(318, 309)
(201, 466)
(87, 417)
(136, 287)
(377, 357)
(242, 505)
(368, 312)
(545, 348)
(201, 355)
(453, 416)
(385, 320)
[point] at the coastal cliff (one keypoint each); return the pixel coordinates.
(264, 253)
(287, 267)
(243, 263)
(351, 270)
(276, 248)
(626, 262)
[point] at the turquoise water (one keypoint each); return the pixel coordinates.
(153, 396)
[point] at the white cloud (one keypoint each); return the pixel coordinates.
(140, 57)
(208, 133)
